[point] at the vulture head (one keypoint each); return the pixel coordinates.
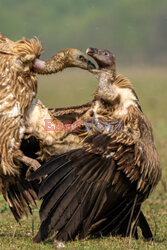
(61, 60)
(105, 61)
(104, 58)
(111, 86)
(26, 51)
(20, 55)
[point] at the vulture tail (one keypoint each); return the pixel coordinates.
(19, 195)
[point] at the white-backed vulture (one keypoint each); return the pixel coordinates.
(18, 89)
(98, 187)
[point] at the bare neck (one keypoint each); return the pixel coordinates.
(55, 64)
(116, 95)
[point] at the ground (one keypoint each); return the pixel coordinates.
(76, 87)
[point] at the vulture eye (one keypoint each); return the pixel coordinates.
(105, 53)
(81, 58)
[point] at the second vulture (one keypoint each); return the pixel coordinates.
(98, 187)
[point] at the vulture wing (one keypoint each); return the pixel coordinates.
(96, 189)
(19, 193)
(70, 113)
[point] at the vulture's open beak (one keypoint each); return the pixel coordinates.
(93, 52)
(91, 65)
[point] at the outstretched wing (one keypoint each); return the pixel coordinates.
(93, 188)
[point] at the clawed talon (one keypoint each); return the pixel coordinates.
(34, 166)
(32, 163)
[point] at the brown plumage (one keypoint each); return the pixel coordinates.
(18, 88)
(46, 143)
(18, 61)
(50, 142)
(98, 188)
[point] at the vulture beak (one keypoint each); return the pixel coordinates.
(91, 51)
(91, 65)
(104, 58)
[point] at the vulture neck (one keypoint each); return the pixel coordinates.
(57, 63)
(116, 94)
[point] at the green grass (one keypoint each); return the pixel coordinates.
(76, 87)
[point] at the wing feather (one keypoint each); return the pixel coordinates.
(90, 190)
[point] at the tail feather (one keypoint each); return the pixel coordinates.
(17, 203)
(19, 194)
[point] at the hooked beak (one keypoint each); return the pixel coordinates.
(91, 51)
(91, 65)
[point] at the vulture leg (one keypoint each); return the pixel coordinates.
(144, 226)
(129, 228)
(32, 163)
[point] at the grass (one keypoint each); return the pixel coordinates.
(76, 87)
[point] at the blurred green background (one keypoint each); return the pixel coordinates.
(136, 32)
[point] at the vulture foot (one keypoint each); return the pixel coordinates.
(32, 163)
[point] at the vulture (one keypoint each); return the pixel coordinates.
(19, 62)
(98, 187)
